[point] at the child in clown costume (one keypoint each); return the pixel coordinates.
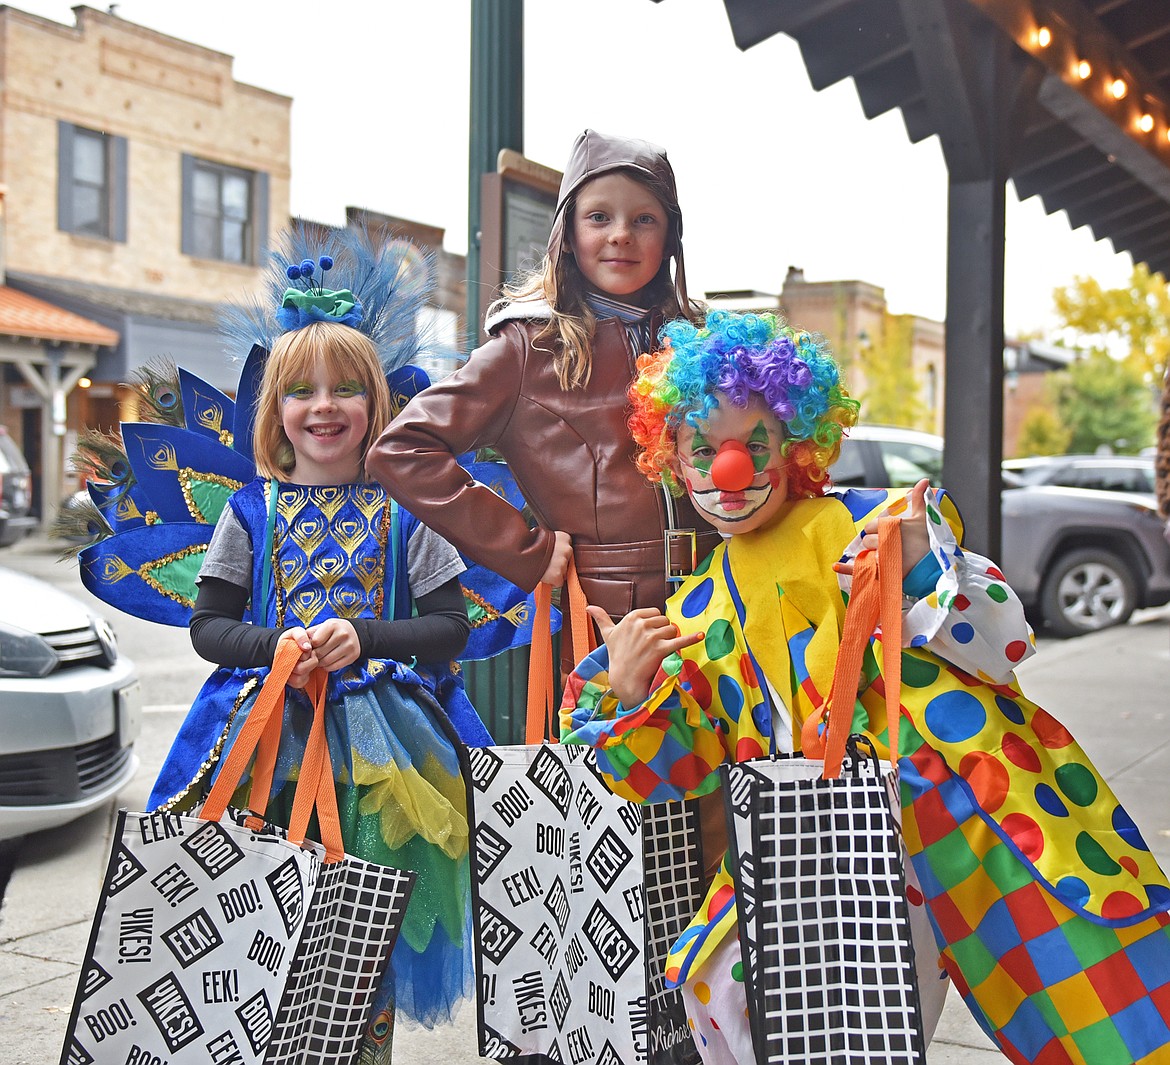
(1005, 819)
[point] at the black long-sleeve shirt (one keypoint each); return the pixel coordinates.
(218, 633)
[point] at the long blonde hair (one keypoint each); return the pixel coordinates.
(564, 289)
(344, 353)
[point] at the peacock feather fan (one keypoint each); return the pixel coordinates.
(157, 385)
(392, 278)
(81, 523)
(101, 456)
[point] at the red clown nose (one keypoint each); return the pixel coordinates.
(732, 469)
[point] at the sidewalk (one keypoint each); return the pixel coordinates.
(1110, 689)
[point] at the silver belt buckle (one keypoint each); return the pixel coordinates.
(670, 537)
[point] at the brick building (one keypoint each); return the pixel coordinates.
(140, 185)
(143, 182)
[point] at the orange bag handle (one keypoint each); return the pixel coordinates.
(269, 706)
(260, 735)
(539, 720)
(876, 596)
(315, 786)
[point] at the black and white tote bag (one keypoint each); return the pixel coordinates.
(217, 938)
(579, 895)
(823, 920)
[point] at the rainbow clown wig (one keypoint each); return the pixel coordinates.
(738, 356)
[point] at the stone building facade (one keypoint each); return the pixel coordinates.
(143, 183)
(141, 186)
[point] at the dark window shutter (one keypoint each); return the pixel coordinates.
(187, 245)
(260, 217)
(119, 184)
(65, 176)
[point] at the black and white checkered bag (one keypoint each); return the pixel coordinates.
(217, 939)
(823, 920)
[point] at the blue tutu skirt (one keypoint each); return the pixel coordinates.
(402, 803)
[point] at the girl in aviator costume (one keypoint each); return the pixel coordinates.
(1051, 915)
(313, 548)
(548, 391)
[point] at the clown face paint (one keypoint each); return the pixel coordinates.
(758, 430)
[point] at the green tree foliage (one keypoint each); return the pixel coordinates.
(892, 393)
(1043, 433)
(1131, 322)
(1104, 401)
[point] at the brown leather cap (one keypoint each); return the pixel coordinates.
(595, 154)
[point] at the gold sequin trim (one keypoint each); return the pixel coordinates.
(185, 797)
(187, 476)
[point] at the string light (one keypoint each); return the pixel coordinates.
(84, 382)
(1043, 36)
(1118, 88)
(1084, 68)
(1146, 123)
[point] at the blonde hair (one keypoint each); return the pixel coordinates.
(565, 290)
(344, 353)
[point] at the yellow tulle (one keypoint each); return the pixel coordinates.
(409, 804)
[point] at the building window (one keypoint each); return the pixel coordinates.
(91, 183)
(224, 211)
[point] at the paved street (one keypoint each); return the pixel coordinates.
(1109, 689)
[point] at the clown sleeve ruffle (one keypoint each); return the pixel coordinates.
(972, 618)
(666, 748)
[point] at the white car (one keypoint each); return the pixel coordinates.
(70, 708)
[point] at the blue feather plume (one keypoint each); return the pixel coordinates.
(392, 278)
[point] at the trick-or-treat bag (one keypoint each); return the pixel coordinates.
(823, 921)
(223, 938)
(578, 895)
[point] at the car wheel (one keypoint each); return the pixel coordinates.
(1087, 590)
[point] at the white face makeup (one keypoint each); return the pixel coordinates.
(721, 500)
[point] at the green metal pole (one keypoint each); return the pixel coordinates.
(497, 117)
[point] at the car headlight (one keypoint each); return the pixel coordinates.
(24, 654)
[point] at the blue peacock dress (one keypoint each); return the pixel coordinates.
(341, 551)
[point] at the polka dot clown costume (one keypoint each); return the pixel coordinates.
(1049, 911)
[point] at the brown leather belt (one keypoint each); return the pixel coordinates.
(642, 556)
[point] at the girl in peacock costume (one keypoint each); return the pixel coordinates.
(1050, 913)
(305, 542)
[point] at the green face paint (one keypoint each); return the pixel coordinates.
(702, 454)
(759, 445)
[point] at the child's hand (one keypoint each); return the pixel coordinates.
(335, 643)
(915, 538)
(558, 566)
(637, 645)
(303, 670)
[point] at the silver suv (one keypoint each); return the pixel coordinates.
(1080, 559)
(15, 492)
